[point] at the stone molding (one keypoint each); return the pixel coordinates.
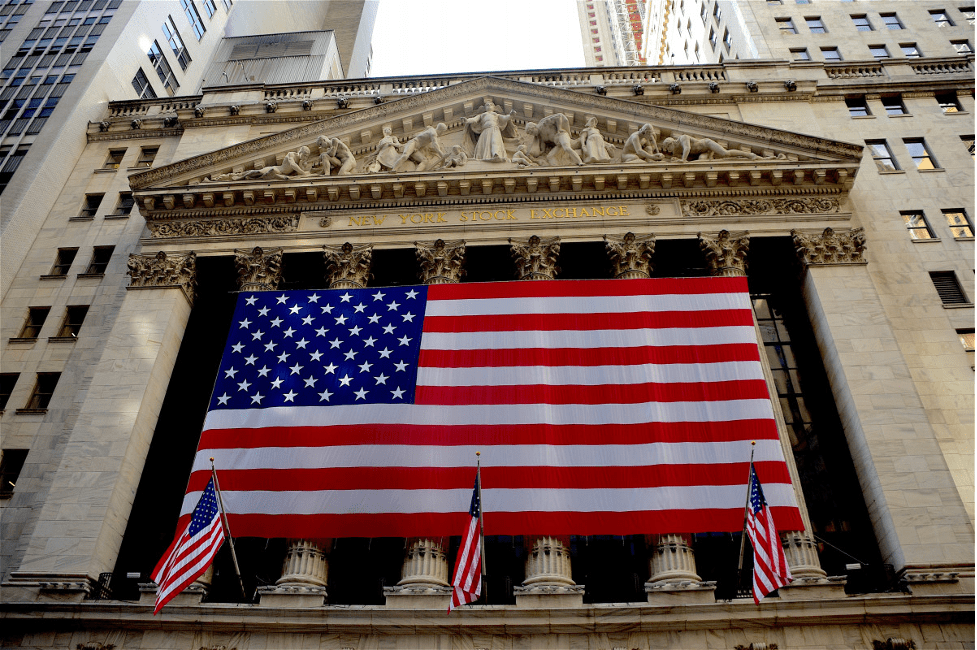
(733, 207)
(830, 247)
(348, 266)
(725, 254)
(272, 224)
(536, 258)
(257, 269)
(161, 271)
(441, 262)
(630, 254)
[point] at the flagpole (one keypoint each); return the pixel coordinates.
(746, 509)
(227, 527)
(481, 521)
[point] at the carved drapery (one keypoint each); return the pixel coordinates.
(441, 262)
(348, 266)
(673, 561)
(630, 255)
(425, 563)
(830, 247)
(257, 269)
(548, 563)
(536, 259)
(725, 254)
(162, 270)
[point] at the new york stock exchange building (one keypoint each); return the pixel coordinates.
(604, 185)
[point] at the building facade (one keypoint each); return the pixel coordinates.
(842, 191)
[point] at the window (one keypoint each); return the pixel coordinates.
(100, 260)
(831, 54)
(141, 84)
(114, 159)
(176, 43)
(163, 69)
(959, 223)
(34, 322)
(968, 14)
(910, 51)
(774, 3)
(949, 102)
(966, 339)
(716, 12)
(920, 154)
(191, 11)
(727, 40)
(90, 207)
(227, 5)
(861, 23)
(713, 39)
(815, 24)
(124, 207)
(969, 141)
(786, 26)
(882, 155)
(74, 316)
(704, 11)
(7, 382)
(63, 260)
(962, 47)
(893, 105)
(857, 106)
(11, 463)
(800, 54)
(940, 18)
(916, 225)
(146, 156)
(802, 2)
(879, 51)
(43, 391)
(891, 21)
(948, 288)
(210, 8)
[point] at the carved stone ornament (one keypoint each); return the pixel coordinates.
(630, 255)
(171, 122)
(725, 254)
(271, 107)
(536, 258)
(95, 645)
(653, 209)
(758, 645)
(441, 262)
(258, 270)
(894, 644)
(234, 110)
(135, 124)
(730, 207)
(223, 227)
(198, 111)
(162, 270)
(104, 126)
(348, 266)
(830, 247)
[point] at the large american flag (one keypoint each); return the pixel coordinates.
(599, 406)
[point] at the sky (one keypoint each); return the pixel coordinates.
(417, 37)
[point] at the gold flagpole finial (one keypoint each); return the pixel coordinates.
(752, 444)
(478, 453)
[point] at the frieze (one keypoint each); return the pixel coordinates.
(725, 208)
(223, 227)
(830, 247)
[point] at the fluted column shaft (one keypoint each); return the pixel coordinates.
(673, 560)
(305, 564)
(548, 563)
(424, 564)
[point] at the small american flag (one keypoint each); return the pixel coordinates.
(467, 584)
(192, 551)
(770, 570)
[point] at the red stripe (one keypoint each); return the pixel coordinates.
(521, 434)
(519, 289)
(448, 478)
(589, 357)
(589, 322)
(602, 394)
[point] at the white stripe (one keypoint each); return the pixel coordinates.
(588, 339)
(495, 500)
(590, 375)
(177, 573)
(467, 414)
(588, 304)
(398, 456)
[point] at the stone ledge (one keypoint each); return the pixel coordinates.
(417, 597)
(292, 596)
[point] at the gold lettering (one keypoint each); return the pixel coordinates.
(403, 218)
(510, 215)
(546, 213)
(355, 221)
(485, 216)
(441, 218)
(612, 211)
(532, 214)
(624, 211)
(557, 216)
(378, 220)
(429, 218)
(571, 212)
(464, 217)
(598, 212)
(584, 213)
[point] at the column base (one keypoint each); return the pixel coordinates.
(814, 588)
(418, 596)
(549, 596)
(194, 594)
(680, 593)
(292, 596)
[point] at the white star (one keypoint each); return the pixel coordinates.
(327, 309)
(263, 372)
(321, 331)
(314, 298)
(358, 309)
(277, 383)
(229, 373)
(250, 360)
(344, 381)
(335, 343)
(294, 309)
(222, 400)
(283, 357)
(331, 369)
(369, 342)
(361, 393)
(401, 366)
(243, 385)
(381, 379)
(378, 295)
(365, 366)
(397, 394)
(307, 320)
(263, 311)
(281, 299)
(288, 333)
(393, 306)
(270, 346)
(345, 297)
(315, 356)
(237, 347)
(256, 398)
(354, 331)
(296, 369)
(374, 319)
(290, 396)
(404, 340)
(324, 396)
(350, 355)
(301, 343)
(276, 322)
(409, 317)
(389, 329)
(411, 294)
(341, 320)
(244, 323)
(310, 382)
(251, 300)
(385, 353)
(256, 336)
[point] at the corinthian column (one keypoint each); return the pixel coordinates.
(725, 254)
(536, 258)
(630, 255)
(348, 266)
(258, 269)
(441, 262)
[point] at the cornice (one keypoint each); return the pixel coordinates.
(134, 134)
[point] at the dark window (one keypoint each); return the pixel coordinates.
(959, 223)
(43, 390)
(11, 463)
(949, 102)
(92, 201)
(124, 206)
(34, 322)
(891, 21)
(74, 316)
(948, 288)
(941, 18)
(962, 47)
(967, 140)
(713, 39)
(146, 156)
(916, 224)
(163, 69)
(879, 51)
(831, 54)
(727, 40)
(816, 25)
(920, 153)
(194, 17)
(893, 105)
(786, 26)
(716, 12)
(176, 43)
(63, 261)
(861, 23)
(209, 8)
(100, 260)
(882, 155)
(114, 158)
(857, 106)
(141, 85)
(7, 382)
(968, 14)
(910, 50)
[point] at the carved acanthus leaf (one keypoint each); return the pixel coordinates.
(162, 270)
(348, 266)
(441, 262)
(802, 205)
(830, 247)
(536, 259)
(223, 227)
(725, 254)
(630, 255)
(257, 269)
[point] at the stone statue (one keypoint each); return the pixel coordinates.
(295, 163)
(552, 131)
(682, 146)
(523, 159)
(441, 262)
(348, 266)
(642, 145)
(631, 255)
(484, 133)
(388, 151)
(456, 158)
(333, 152)
(593, 149)
(536, 258)
(424, 149)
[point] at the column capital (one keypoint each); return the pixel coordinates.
(258, 269)
(536, 258)
(161, 271)
(630, 255)
(725, 253)
(348, 266)
(830, 247)
(441, 262)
